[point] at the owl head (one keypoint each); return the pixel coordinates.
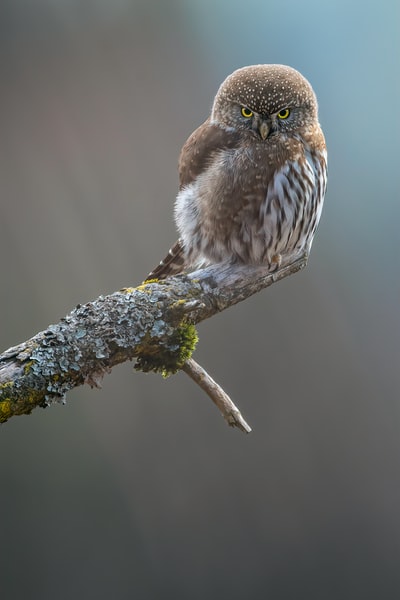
(264, 101)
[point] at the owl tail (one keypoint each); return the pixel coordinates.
(172, 264)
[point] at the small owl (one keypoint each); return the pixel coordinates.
(252, 176)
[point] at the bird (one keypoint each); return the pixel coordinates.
(252, 177)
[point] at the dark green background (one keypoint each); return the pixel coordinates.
(140, 490)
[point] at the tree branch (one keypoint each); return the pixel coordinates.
(153, 323)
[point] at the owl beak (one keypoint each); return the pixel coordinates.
(264, 129)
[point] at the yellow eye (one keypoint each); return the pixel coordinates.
(283, 114)
(246, 112)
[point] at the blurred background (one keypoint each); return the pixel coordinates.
(140, 490)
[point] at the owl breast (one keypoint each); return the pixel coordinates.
(251, 207)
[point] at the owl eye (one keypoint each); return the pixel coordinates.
(246, 112)
(283, 114)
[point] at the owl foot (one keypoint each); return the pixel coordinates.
(276, 262)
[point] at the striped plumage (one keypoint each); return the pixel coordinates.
(252, 176)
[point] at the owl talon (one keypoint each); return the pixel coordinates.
(276, 262)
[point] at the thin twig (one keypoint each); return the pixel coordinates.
(228, 409)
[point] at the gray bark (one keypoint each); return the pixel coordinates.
(153, 323)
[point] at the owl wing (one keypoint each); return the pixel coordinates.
(195, 156)
(200, 148)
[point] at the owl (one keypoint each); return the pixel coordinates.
(252, 176)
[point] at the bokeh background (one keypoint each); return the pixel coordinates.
(139, 490)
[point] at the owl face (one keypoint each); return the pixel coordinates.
(265, 101)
